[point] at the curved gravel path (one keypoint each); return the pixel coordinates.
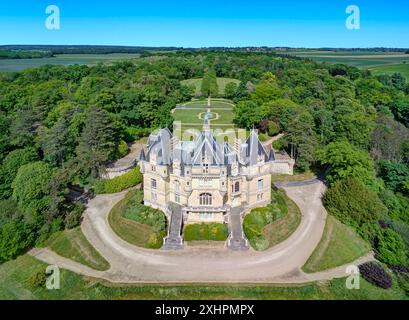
(280, 264)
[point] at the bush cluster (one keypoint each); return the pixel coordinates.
(258, 218)
(134, 209)
(375, 274)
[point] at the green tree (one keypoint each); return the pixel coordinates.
(98, 142)
(15, 237)
(209, 84)
(394, 174)
(301, 136)
(12, 162)
(230, 90)
(353, 203)
(247, 114)
(31, 189)
(345, 160)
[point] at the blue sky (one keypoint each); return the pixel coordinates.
(294, 23)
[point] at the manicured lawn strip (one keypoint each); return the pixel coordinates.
(15, 275)
(130, 222)
(266, 226)
(206, 231)
(73, 245)
(225, 117)
(340, 244)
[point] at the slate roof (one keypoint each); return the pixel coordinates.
(205, 149)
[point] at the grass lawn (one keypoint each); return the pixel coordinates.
(206, 231)
(296, 177)
(73, 245)
(268, 226)
(221, 83)
(138, 224)
(340, 244)
(391, 69)
(15, 275)
(193, 116)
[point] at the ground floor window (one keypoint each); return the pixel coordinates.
(177, 198)
(259, 197)
(153, 197)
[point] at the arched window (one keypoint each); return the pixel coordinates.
(205, 199)
(237, 186)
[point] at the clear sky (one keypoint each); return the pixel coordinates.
(294, 23)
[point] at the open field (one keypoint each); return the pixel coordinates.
(391, 69)
(361, 59)
(11, 65)
(339, 245)
(15, 284)
(197, 83)
(73, 245)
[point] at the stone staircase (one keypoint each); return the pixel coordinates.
(236, 240)
(174, 239)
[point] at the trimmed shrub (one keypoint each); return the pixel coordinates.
(375, 274)
(118, 184)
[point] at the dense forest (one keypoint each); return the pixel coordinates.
(24, 54)
(60, 127)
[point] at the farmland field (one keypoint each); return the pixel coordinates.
(392, 68)
(362, 59)
(11, 65)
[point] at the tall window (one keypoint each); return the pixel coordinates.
(260, 184)
(236, 186)
(177, 187)
(205, 199)
(153, 183)
(153, 197)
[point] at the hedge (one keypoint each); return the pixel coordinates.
(117, 184)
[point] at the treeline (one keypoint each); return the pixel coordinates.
(24, 54)
(83, 49)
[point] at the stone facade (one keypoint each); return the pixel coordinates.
(205, 177)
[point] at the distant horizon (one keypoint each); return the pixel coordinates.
(203, 47)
